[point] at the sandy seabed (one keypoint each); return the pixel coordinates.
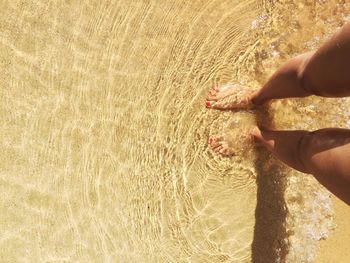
(103, 135)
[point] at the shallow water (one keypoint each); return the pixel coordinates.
(104, 133)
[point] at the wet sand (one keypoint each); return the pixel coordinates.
(104, 133)
(336, 247)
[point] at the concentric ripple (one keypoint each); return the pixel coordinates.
(104, 132)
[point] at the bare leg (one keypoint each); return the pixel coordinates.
(283, 144)
(327, 72)
(323, 73)
(285, 82)
(323, 153)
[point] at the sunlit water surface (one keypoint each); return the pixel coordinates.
(104, 154)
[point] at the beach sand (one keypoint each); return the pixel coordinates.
(103, 132)
(336, 247)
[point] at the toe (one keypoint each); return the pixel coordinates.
(226, 151)
(210, 103)
(215, 141)
(211, 139)
(217, 145)
(218, 149)
(212, 95)
(212, 92)
(216, 105)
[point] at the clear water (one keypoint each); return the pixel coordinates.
(104, 133)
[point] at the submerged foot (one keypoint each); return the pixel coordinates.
(230, 96)
(218, 144)
(223, 146)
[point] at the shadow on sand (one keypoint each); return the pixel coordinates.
(270, 215)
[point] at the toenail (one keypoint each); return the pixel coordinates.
(208, 103)
(210, 140)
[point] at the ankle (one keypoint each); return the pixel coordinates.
(256, 99)
(255, 133)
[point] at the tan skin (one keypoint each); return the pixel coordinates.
(324, 153)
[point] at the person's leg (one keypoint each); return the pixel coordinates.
(283, 144)
(327, 72)
(324, 153)
(323, 73)
(284, 83)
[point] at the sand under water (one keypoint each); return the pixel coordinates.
(104, 154)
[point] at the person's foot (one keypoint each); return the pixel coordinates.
(229, 96)
(255, 134)
(218, 144)
(223, 146)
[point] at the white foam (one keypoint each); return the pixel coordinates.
(310, 217)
